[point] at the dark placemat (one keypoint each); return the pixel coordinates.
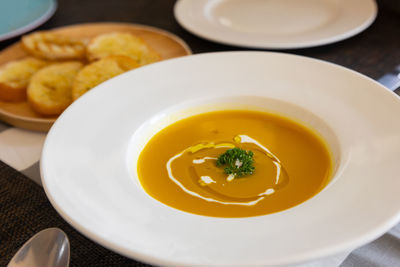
(25, 210)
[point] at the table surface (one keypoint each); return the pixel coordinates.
(373, 52)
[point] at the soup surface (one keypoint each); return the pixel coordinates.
(234, 163)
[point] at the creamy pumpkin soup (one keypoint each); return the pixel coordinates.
(234, 163)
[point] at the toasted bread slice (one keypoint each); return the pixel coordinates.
(149, 57)
(120, 43)
(50, 89)
(53, 46)
(15, 76)
(100, 71)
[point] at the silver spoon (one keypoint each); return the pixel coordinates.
(391, 80)
(48, 248)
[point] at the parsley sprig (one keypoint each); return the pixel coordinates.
(238, 162)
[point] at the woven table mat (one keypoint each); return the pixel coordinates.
(25, 210)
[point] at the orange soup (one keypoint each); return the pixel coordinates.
(234, 163)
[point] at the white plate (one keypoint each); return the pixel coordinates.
(89, 174)
(20, 16)
(275, 24)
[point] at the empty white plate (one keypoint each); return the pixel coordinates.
(275, 24)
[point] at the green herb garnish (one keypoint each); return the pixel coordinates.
(238, 162)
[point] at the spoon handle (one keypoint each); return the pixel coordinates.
(391, 80)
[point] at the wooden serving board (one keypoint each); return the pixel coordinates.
(20, 114)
